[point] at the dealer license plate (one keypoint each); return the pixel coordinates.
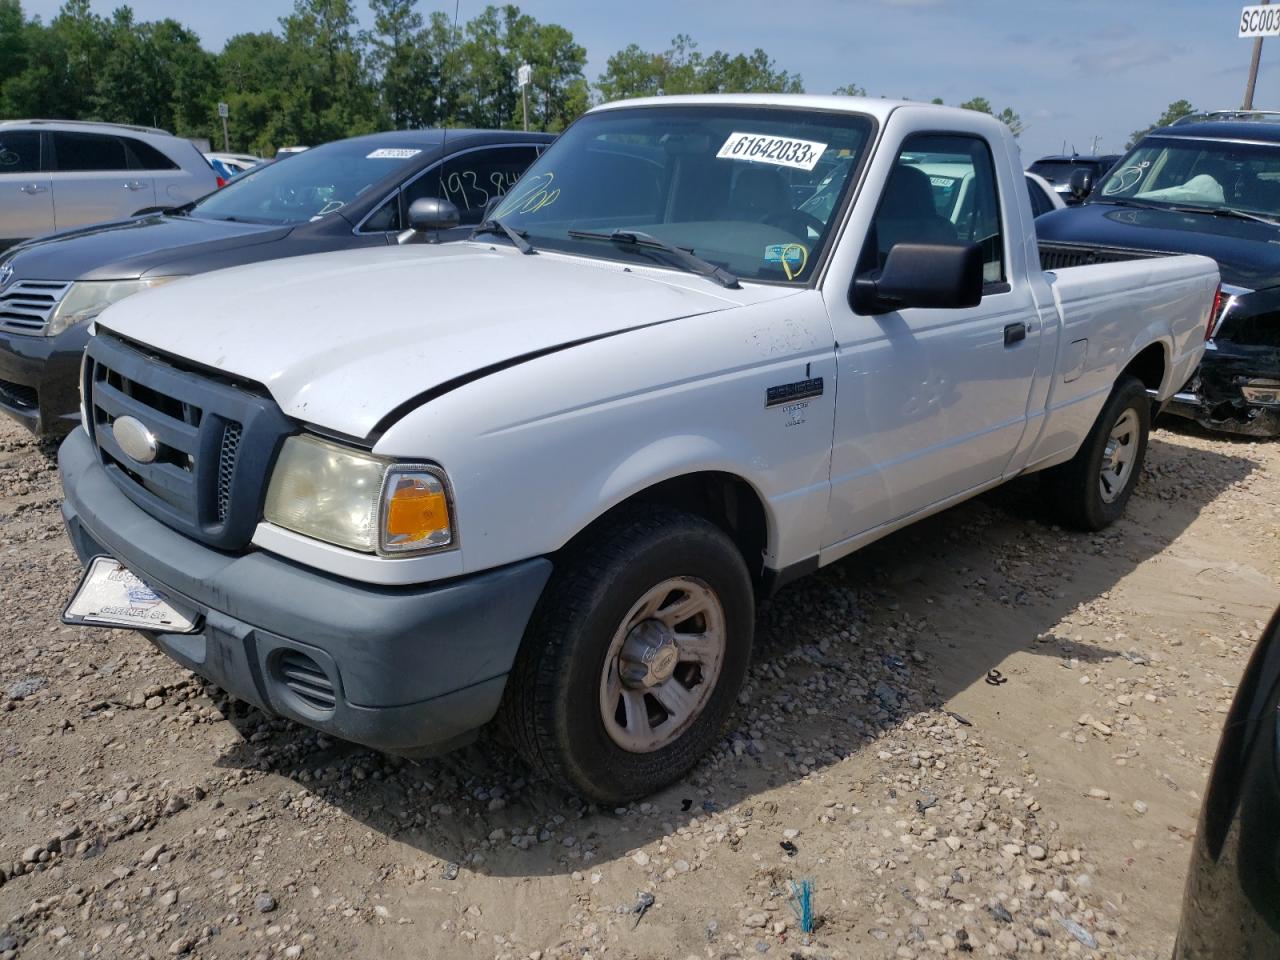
(110, 596)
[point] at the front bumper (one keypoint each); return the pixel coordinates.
(1215, 397)
(40, 379)
(412, 671)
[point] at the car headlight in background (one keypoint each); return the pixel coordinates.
(85, 299)
(355, 500)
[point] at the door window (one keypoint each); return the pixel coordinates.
(19, 151)
(385, 218)
(83, 152)
(942, 189)
(146, 157)
(470, 180)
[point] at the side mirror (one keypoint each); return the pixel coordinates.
(1081, 184)
(427, 215)
(945, 276)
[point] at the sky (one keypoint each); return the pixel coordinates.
(1073, 70)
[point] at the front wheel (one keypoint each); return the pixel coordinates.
(1090, 490)
(634, 657)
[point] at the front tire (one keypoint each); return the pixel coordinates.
(1090, 491)
(634, 655)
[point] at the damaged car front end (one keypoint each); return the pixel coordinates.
(1237, 388)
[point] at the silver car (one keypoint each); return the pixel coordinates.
(56, 174)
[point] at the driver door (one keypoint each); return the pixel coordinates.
(931, 402)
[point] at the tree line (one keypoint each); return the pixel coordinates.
(321, 77)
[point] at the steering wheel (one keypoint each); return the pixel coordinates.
(796, 218)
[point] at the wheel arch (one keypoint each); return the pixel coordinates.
(719, 495)
(1151, 365)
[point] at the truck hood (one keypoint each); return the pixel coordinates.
(343, 340)
(1248, 254)
(127, 249)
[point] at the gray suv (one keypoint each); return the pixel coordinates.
(56, 174)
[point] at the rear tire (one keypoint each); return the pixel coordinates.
(607, 697)
(1090, 491)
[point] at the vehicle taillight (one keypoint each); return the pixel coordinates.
(222, 183)
(1214, 312)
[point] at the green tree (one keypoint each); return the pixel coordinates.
(850, 90)
(493, 46)
(154, 73)
(397, 59)
(1172, 113)
(249, 69)
(325, 91)
(1006, 116)
(633, 72)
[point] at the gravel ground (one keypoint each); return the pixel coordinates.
(935, 813)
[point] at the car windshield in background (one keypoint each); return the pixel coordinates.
(1212, 174)
(753, 190)
(311, 185)
(1061, 171)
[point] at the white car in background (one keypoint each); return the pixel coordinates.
(56, 174)
(1043, 197)
(234, 163)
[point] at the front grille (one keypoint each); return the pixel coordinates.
(1063, 256)
(27, 305)
(227, 466)
(16, 395)
(214, 440)
(306, 679)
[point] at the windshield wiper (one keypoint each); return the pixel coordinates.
(686, 258)
(1223, 212)
(1188, 208)
(517, 237)
(1126, 202)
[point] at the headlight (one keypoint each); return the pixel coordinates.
(355, 500)
(85, 299)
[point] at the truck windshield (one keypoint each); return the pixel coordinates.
(308, 185)
(754, 190)
(1213, 174)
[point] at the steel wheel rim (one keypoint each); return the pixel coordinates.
(642, 715)
(1118, 457)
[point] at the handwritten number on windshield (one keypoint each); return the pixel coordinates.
(468, 190)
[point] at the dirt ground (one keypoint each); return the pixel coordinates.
(932, 811)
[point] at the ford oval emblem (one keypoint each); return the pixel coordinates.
(137, 442)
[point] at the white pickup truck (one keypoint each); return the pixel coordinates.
(705, 345)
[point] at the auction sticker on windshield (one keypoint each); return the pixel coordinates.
(111, 596)
(763, 148)
(393, 153)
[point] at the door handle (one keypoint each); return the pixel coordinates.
(32, 188)
(1014, 332)
(134, 185)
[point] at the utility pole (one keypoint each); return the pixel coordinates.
(1253, 70)
(525, 76)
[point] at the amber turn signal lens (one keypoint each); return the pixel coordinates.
(416, 514)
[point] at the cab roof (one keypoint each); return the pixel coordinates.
(877, 107)
(1254, 130)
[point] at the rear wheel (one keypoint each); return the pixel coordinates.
(634, 656)
(1090, 490)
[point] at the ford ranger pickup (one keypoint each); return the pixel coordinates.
(541, 477)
